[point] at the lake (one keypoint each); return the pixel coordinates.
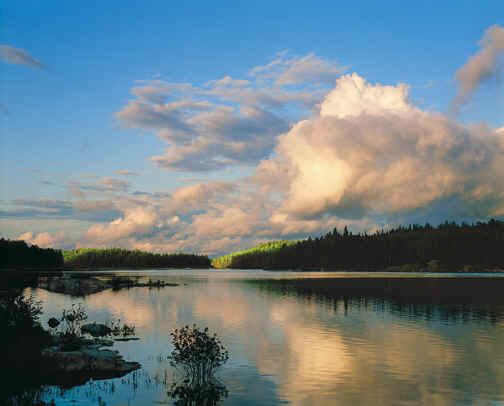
(294, 338)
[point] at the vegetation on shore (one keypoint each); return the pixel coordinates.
(241, 259)
(21, 342)
(120, 258)
(33, 356)
(18, 254)
(449, 246)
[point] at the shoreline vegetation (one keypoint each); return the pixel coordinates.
(449, 247)
(18, 255)
(120, 258)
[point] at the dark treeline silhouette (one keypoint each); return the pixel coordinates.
(19, 255)
(120, 258)
(448, 247)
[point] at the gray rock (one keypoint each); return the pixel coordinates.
(73, 286)
(91, 359)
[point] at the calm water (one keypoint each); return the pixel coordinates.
(290, 346)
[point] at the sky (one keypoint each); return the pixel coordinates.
(211, 126)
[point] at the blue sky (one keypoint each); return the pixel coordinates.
(59, 123)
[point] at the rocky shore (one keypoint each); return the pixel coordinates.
(89, 360)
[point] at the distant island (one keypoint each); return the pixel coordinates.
(448, 247)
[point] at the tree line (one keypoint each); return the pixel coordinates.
(227, 261)
(118, 258)
(18, 254)
(449, 247)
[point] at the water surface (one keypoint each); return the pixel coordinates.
(292, 345)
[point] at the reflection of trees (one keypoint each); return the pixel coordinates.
(447, 299)
(189, 392)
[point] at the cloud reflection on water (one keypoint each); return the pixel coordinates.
(313, 351)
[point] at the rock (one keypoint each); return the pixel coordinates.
(90, 359)
(122, 282)
(75, 286)
(96, 329)
(85, 285)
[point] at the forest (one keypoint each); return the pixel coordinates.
(122, 258)
(447, 247)
(227, 261)
(20, 255)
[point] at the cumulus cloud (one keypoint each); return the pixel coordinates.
(481, 66)
(43, 240)
(18, 56)
(193, 198)
(136, 220)
(368, 157)
(352, 154)
(227, 121)
(371, 153)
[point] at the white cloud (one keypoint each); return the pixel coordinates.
(359, 154)
(193, 198)
(227, 121)
(18, 56)
(371, 153)
(481, 66)
(290, 70)
(368, 158)
(136, 220)
(43, 240)
(353, 96)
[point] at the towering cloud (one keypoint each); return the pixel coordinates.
(330, 151)
(370, 153)
(482, 65)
